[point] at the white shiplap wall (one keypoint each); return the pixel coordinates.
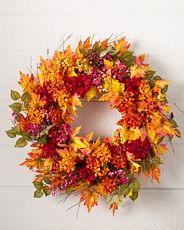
(28, 28)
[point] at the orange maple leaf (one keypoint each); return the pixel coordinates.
(122, 45)
(90, 199)
(26, 82)
(114, 207)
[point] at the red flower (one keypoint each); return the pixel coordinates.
(139, 149)
(132, 85)
(49, 150)
(80, 85)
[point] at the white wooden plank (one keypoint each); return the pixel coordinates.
(153, 210)
(107, 6)
(172, 171)
(33, 34)
(169, 68)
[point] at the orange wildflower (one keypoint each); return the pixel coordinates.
(35, 116)
(108, 185)
(98, 160)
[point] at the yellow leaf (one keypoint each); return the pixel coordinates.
(89, 136)
(162, 148)
(71, 72)
(168, 129)
(26, 82)
(117, 87)
(122, 45)
(134, 133)
(108, 64)
(76, 131)
(138, 71)
(96, 144)
(91, 93)
(161, 83)
(78, 143)
(130, 193)
(41, 79)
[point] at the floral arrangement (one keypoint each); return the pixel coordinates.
(65, 161)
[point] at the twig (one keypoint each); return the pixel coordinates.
(31, 66)
(64, 41)
(73, 205)
(172, 147)
(78, 209)
(174, 103)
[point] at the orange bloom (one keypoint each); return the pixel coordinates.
(98, 160)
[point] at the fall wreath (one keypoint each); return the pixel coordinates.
(65, 161)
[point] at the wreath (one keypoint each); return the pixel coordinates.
(65, 161)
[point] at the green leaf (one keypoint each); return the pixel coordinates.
(25, 96)
(164, 90)
(149, 74)
(156, 160)
(96, 47)
(134, 196)
(174, 124)
(127, 58)
(16, 107)
(11, 133)
(46, 190)
(38, 184)
(135, 186)
(146, 165)
(178, 133)
(157, 78)
(42, 140)
(21, 142)
(38, 193)
(15, 95)
(47, 180)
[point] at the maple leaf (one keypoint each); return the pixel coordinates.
(108, 64)
(87, 43)
(161, 83)
(26, 82)
(138, 71)
(95, 144)
(30, 163)
(162, 148)
(90, 199)
(111, 97)
(122, 45)
(169, 130)
(153, 172)
(114, 207)
(89, 136)
(140, 60)
(36, 101)
(117, 87)
(91, 93)
(78, 143)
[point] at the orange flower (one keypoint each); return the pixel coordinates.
(36, 116)
(108, 185)
(67, 163)
(98, 160)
